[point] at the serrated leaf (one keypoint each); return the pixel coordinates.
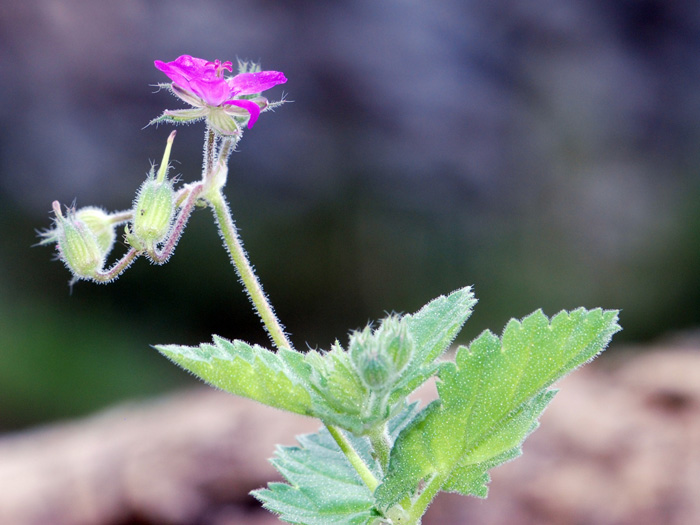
(474, 479)
(436, 325)
(274, 379)
(339, 394)
(323, 487)
(490, 399)
(433, 328)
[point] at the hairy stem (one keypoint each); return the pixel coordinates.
(161, 256)
(118, 267)
(420, 506)
(121, 217)
(245, 271)
(379, 439)
(227, 147)
(352, 455)
(209, 146)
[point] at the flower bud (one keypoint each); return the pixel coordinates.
(99, 223)
(370, 359)
(380, 356)
(78, 245)
(360, 344)
(374, 370)
(153, 211)
(395, 338)
(154, 207)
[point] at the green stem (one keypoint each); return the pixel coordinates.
(120, 217)
(245, 271)
(227, 147)
(355, 460)
(420, 506)
(209, 144)
(117, 268)
(379, 439)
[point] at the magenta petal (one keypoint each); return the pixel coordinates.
(214, 90)
(250, 106)
(197, 76)
(251, 83)
(183, 69)
(174, 73)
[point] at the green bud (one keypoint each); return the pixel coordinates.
(78, 246)
(396, 341)
(100, 225)
(374, 370)
(154, 207)
(153, 211)
(360, 343)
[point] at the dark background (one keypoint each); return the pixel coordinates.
(546, 152)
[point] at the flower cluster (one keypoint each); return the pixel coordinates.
(226, 102)
(84, 237)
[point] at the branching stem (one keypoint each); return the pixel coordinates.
(379, 439)
(117, 268)
(161, 256)
(121, 217)
(353, 457)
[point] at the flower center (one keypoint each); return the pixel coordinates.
(220, 67)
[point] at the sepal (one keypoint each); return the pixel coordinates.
(154, 209)
(76, 235)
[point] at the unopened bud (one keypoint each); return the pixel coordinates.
(153, 211)
(100, 225)
(395, 338)
(155, 205)
(77, 244)
(374, 370)
(360, 344)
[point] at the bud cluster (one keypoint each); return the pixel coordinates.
(380, 356)
(85, 237)
(363, 381)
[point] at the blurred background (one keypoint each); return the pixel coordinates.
(545, 152)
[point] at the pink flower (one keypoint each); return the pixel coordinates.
(226, 102)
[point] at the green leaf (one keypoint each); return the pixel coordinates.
(490, 399)
(323, 487)
(342, 399)
(436, 325)
(327, 385)
(433, 328)
(275, 379)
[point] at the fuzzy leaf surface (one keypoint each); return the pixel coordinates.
(323, 488)
(433, 328)
(340, 397)
(275, 379)
(490, 399)
(436, 325)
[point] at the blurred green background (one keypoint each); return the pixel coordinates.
(545, 152)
